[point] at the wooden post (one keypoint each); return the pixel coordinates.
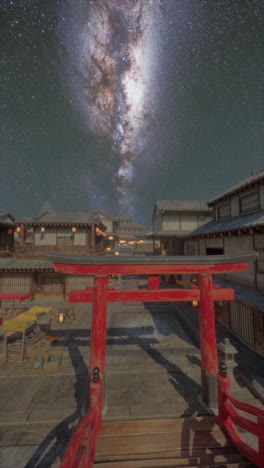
(93, 236)
(153, 281)
(208, 349)
(22, 238)
(98, 330)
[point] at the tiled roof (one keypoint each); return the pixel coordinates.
(254, 178)
(248, 220)
(157, 234)
(25, 265)
(7, 218)
(243, 294)
(178, 205)
(66, 217)
(105, 215)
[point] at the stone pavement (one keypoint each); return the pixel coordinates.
(152, 371)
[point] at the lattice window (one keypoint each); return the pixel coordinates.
(16, 283)
(249, 202)
(224, 211)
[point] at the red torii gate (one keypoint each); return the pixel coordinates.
(153, 266)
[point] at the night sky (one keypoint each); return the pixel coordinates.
(113, 104)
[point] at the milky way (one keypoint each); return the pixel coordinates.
(111, 53)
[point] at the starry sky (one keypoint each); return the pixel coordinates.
(114, 104)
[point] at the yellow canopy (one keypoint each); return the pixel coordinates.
(184, 283)
(20, 322)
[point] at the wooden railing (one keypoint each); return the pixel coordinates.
(229, 418)
(81, 450)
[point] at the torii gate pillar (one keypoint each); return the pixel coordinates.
(208, 349)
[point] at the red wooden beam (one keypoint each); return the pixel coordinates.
(147, 269)
(98, 330)
(145, 295)
(153, 281)
(209, 362)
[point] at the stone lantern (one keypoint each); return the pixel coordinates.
(226, 354)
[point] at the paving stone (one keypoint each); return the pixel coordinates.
(116, 413)
(17, 393)
(39, 416)
(13, 417)
(59, 392)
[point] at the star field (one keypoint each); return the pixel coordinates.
(114, 105)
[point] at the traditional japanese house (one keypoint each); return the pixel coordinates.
(69, 232)
(111, 224)
(238, 226)
(38, 278)
(172, 220)
(129, 229)
(7, 228)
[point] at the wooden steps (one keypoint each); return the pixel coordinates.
(187, 442)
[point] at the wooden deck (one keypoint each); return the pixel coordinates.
(189, 442)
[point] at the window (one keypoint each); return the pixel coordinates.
(224, 211)
(214, 251)
(249, 202)
(190, 249)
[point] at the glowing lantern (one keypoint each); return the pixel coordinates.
(97, 230)
(110, 238)
(18, 229)
(42, 229)
(61, 317)
(74, 229)
(108, 249)
(116, 253)
(195, 303)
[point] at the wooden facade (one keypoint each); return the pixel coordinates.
(7, 228)
(65, 232)
(42, 284)
(244, 321)
(237, 227)
(172, 220)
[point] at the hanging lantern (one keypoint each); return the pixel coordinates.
(110, 238)
(42, 229)
(97, 230)
(18, 229)
(74, 229)
(195, 303)
(26, 233)
(10, 231)
(108, 249)
(116, 253)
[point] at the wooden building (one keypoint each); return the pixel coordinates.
(68, 232)
(129, 229)
(27, 271)
(112, 225)
(7, 228)
(172, 220)
(38, 278)
(238, 226)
